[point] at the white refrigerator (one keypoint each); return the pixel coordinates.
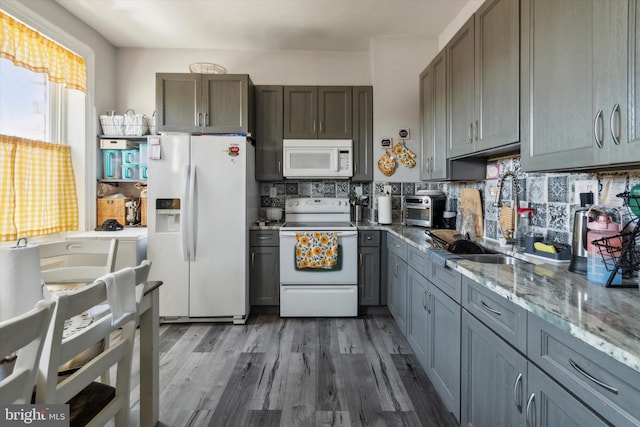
(202, 197)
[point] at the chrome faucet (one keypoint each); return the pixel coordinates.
(516, 186)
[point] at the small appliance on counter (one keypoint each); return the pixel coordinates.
(424, 209)
(581, 218)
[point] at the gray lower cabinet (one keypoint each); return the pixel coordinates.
(269, 132)
(369, 267)
(362, 134)
(320, 112)
(204, 103)
(550, 405)
(264, 268)
(608, 387)
(397, 280)
(574, 66)
(418, 316)
(494, 378)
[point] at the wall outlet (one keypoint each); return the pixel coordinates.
(358, 191)
(586, 186)
(387, 189)
(273, 192)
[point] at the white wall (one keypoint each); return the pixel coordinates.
(462, 17)
(397, 64)
(137, 69)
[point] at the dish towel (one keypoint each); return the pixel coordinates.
(121, 293)
(315, 249)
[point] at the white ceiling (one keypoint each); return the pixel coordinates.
(329, 25)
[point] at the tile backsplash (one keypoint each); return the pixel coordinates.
(551, 195)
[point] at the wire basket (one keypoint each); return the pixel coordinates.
(620, 251)
(207, 68)
(135, 124)
(632, 201)
(112, 124)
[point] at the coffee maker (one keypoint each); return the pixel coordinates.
(579, 242)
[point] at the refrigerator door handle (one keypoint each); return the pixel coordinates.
(183, 222)
(192, 214)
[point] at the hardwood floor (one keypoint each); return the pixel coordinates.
(293, 372)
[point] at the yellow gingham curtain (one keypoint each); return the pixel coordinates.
(37, 188)
(29, 49)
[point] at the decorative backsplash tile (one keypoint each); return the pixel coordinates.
(551, 195)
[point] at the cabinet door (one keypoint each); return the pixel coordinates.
(630, 146)
(574, 69)
(550, 405)
(362, 134)
(369, 275)
(269, 123)
(494, 378)
(418, 316)
(397, 292)
(444, 348)
(178, 101)
(300, 112)
(460, 91)
(225, 103)
(433, 119)
(497, 74)
(335, 106)
(265, 275)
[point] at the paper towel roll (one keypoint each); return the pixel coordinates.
(20, 283)
(384, 209)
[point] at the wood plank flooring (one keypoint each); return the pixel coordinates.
(292, 372)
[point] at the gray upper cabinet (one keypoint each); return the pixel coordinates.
(204, 103)
(312, 112)
(483, 80)
(574, 84)
(269, 132)
(362, 127)
(433, 118)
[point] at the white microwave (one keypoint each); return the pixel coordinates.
(318, 158)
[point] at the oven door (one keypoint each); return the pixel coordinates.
(345, 273)
(318, 292)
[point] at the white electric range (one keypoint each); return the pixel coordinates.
(319, 292)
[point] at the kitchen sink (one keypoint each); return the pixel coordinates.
(495, 258)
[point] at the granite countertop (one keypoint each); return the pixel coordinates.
(605, 318)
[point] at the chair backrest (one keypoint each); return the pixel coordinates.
(71, 254)
(24, 335)
(117, 352)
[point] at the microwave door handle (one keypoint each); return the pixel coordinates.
(336, 166)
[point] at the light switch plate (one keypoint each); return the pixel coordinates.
(273, 192)
(387, 189)
(586, 186)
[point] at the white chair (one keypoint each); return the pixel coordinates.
(70, 261)
(91, 402)
(24, 335)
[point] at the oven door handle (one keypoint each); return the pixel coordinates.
(340, 233)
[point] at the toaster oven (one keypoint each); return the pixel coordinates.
(423, 210)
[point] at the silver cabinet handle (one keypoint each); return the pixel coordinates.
(253, 259)
(264, 237)
(360, 259)
(615, 125)
(369, 238)
(314, 126)
(517, 392)
(320, 126)
(199, 119)
(430, 298)
(531, 402)
(424, 299)
(475, 131)
(597, 128)
(492, 310)
(575, 366)
(279, 166)
(470, 134)
(355, 168)
(206, 119)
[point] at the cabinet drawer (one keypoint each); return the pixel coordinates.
(418, 261)
(397, 245)
(606, 385)
(369, 238)
(502, 316)
(264, 238)
(448, 280)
